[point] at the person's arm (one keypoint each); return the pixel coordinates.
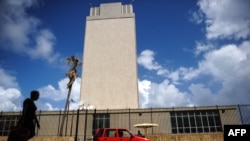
(37, 122)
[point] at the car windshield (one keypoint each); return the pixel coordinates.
(99, 132)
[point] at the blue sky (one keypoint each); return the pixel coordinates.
(189, 53)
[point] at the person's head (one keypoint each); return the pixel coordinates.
(34, 95)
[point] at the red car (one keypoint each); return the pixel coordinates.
(116, 134)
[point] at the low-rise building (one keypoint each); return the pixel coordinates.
(172, 121)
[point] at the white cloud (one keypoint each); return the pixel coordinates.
(201, 47)
(183, 73)
(226, 18)
(49, 92)
(7, 80)
(144, 90)
(11, 98)
(223, 62)
(162, 94)
(10, 95)
(22, 33)
(46, 106)
(196, 17)
(203, 96)
(49, 107)
(45, 41)
(227, 66)
(146, 60)
(222, 75)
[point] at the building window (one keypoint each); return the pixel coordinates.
(195, 121)
(6, 123)
(101, 121)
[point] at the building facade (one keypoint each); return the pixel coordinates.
(109, 76)
(187, 121)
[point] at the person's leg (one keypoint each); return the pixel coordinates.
(32, 130)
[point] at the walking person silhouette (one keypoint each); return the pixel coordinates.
(29, 118)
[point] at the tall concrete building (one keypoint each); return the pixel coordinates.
(109, 76)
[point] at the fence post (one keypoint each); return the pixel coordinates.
(94, 123)
(77, 120)
(242, 121)
(59, 123)
(72, 119)
(38, 121)
(129, 122)
(85, 127)
(151, 114)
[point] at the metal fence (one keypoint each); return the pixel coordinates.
(244, 113)
(82, 123)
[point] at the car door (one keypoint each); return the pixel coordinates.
(124, 135)
(110, 135)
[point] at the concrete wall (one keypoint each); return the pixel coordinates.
(45, 138)
(228, 116)
(166, 137)
(188, 137)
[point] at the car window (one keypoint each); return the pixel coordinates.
(110, 133)
(124, 133)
